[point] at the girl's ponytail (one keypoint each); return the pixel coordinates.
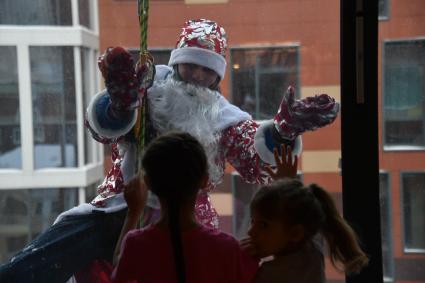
(175, 234)
(344, 250)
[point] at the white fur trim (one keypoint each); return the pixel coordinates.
(94, 123)
(260, 144)
(113, 204)
(199, 56)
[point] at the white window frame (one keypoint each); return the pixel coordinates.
(77, 36)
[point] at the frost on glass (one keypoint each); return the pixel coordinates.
(404, 93)
(54, 109)
(10, 134)
(24, 214)
(260, 77)
(36, 12)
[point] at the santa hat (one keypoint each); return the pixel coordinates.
(202, 42)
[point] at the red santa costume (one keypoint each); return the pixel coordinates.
(227, 133)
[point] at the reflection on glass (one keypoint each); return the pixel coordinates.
(24, 214)
(54, 109)
(10, 134)
(260, 76)
(414, 210)
(86, 84)
(404, 93)
(36, 12)
(84, 12)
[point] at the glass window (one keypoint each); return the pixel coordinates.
(10, 137)
(404, 93)
(386, 231)
(413, 207)
(36, 12)
(242, 193)
(86, 84)
(54, 108)
(260, 76)
(383, 9)
(24, 214)
(84, 13)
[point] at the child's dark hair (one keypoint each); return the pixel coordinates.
(175, 165)
(314, 209)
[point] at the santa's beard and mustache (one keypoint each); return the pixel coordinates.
(179, 106)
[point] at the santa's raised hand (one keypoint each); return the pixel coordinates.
(295, 116)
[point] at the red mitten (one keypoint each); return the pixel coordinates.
(295, 116)
(117, 68)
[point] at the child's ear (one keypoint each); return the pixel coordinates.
(297, 233)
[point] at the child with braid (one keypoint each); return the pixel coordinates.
(177, 248)
(289, 221)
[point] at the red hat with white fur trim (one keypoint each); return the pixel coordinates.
(202, 42)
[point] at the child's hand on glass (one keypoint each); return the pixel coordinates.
(135, 194)
(286, 164)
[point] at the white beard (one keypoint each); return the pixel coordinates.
(178, 106)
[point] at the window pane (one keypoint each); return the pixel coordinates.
(84, 12)
(35, 12)
(404, 93)
(24, 214)
(10, 134)
(386, 231)
(414, 210)
(54, 109)
(260, 76)
(85, 71)
(383, 9)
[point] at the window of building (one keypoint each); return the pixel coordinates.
(413, 207)
(37, 12)
(10, 141)
(85, 10)
(260, 77)
(47, 76)
(383, 9)
(54, 108)
(404, 95)
(386, 231)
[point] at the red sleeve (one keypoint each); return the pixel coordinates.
(127, 267)
(238, 144)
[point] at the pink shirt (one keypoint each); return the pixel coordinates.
(210, 256)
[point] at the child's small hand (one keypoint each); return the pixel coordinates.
(135, 194)
(248, 246)
(286, 167)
